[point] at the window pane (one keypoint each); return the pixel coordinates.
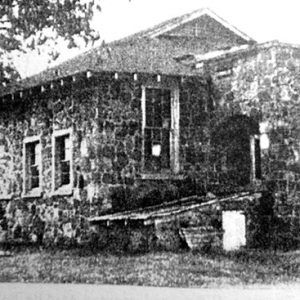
(149, 115)
(67, 148)
(37, 152)
(65, 172)
(166, 104)
(150, 99)
(60, 148)
(65, 166)
(32, 160)
(34, 171)
(165, 159)
(148, 143)
(257, 160)
(157, 115)
(65, 179)
(34, 182)
(156, 136)
(34, 177)
(157, 131)
(31, 154)
(63, 156)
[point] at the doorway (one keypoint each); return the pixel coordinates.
(234, 158)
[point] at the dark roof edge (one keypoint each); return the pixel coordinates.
(20, 88)
(244, 49)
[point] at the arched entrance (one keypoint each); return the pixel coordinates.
(236, 151)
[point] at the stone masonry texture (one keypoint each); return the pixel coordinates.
(264, 85)
(261, 88)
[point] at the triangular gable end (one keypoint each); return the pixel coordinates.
(195, 23)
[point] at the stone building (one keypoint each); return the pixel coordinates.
(192, 106)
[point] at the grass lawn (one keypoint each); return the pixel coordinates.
(183, 269)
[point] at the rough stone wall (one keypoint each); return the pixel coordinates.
(104, 115)
(194, 124)
(265, 85)
(118, 237)
(262, 85)
(107, 143)
(200, 117)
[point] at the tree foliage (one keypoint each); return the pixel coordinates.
(29, 24)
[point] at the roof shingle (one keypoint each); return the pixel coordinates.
(138, 53)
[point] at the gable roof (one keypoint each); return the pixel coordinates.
(149, 51)
(167, 26)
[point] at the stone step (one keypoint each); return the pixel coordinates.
(200, 236)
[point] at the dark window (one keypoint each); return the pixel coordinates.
(62, 160)
(32, 165)
(157, 129)
(257, 159)
(35, 182)
(65, 172)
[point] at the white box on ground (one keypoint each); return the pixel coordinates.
(234, 228)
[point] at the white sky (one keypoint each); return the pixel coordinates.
(263, 20)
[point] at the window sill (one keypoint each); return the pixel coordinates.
(34, 193)
(6, 197)
(66, 190)
(161, 176)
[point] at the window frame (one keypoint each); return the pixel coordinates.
(253, 152)
(66, 189)
(37, 191)
(174, 168)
